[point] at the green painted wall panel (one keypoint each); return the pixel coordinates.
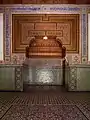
(83, 79)
(79, 79)
(7, 78)
(11, 77)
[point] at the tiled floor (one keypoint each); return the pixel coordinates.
(45, 104)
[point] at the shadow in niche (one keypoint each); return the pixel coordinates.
(63, 72)
(44, 88)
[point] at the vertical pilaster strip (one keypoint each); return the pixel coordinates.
(84, 36)
(7, 34)
(72, 83)
(18, 78)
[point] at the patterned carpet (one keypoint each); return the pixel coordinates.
(44, 105)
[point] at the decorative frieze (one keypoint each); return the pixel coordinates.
(84, 34)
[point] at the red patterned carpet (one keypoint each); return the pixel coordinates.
(47, 104)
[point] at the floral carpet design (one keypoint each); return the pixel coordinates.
(44, 105)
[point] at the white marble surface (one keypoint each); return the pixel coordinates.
(43, 71)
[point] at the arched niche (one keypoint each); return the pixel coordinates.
(50, 48)
(46, 58)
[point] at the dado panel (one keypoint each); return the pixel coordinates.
(78, 78)
(25, 26)
(11, 77)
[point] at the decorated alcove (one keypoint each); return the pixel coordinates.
(50, 47)
(45, 61)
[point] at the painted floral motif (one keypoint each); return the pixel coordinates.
(52, 105)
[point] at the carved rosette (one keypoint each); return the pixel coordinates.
(18, 78)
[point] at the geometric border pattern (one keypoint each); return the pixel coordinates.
(84, 35)
(18, 78)
(73, 79)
